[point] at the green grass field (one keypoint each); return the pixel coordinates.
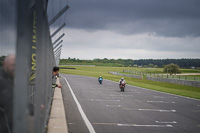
(158, 72)
(193, 92)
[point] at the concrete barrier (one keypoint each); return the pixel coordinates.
(57, 120)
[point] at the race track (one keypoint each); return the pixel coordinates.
(91, 107)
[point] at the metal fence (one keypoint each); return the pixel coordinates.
(158, 75)
(160, 79)
(25, 32)
(126, 75)
(175, 81)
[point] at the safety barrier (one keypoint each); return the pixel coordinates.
(25, 33)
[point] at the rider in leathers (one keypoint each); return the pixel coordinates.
(120, 81)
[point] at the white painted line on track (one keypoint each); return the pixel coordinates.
(104, 100)
(164, 97)
(87, 122)
(117, 98)
(159, 102)
(157, 110)
(131, 125)
(135, 125)
(172, 122)
(113, 105)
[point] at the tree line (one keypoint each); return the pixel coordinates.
(182, 63)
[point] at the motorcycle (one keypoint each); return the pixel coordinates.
(100, 80)
(122, 86)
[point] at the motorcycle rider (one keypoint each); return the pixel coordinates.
(100, 79)
(120, 81)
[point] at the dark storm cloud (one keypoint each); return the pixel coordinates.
(7, 13)
(7, 26)
(165, 18)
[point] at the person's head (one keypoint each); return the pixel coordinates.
(56, 70)
(9, 65)
(122, 78)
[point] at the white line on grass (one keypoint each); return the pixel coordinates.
(87, 122)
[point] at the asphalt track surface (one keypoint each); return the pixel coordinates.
(137, 110)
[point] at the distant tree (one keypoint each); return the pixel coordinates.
(171, 69)
(151, 65)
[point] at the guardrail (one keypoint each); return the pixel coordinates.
(126, 75)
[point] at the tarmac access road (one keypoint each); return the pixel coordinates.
(94, 108)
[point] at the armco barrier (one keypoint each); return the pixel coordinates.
(126, 75)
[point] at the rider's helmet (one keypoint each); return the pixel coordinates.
(100, 76)
(122, 78)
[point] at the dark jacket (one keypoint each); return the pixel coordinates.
(6, 102)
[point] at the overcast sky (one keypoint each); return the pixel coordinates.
(131, 29)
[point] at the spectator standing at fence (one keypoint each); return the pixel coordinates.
(55, 74)
(6, 94)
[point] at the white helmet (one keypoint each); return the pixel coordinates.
(122, 78)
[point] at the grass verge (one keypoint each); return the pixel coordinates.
(188, 91)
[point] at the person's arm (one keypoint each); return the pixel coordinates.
(56, 85)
